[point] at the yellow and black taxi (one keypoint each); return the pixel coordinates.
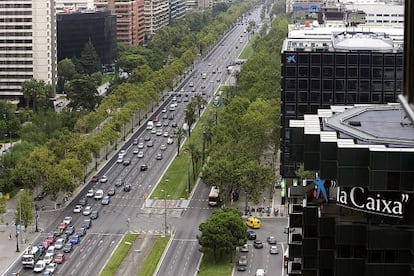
(253, 222)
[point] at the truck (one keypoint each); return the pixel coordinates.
(31, 256)
(150, 125)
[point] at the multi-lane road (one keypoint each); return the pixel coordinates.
(125, 212)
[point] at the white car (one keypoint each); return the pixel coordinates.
(59, 244)
(48, 258)
(120, 159)
(104, 179)
(51, 250)
(122, 152)
(40, 266)
(170, 141)
(158, 124)
(141, 145)
(153, 131)
(90, 193)
(164, 110)
(87, 211)
(136, 151)
(163, 147)
(51, 267)
(99, 194)
(159, 132)
(165, 134)
(140, 154)
(67, 220)
(77, 209)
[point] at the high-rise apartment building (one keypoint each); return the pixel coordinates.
(157, 15)
(27, 44)
(177, 9)
(73, 5)
(129, 19)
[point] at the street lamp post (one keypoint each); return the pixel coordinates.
(165, 213)
(204, 147)
(17, 239)
(36, 217)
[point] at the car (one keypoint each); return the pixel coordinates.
(111, 191)
(242, 260)
(39, 266)
(106, 200)
(273, 249)
(127, 188)
(155, 119)
(81, 232)
(67, 220)
(51, 250)
(209, 64)
(68, 247)
(127, 162)
(144, 167)
(244, 248)
(251, 235)
(122, 153)
(50, 239)
(64, 237)
(87, 211)
(150, 144)
(104, 179)
(170, 141)
(164, 116)
(179, 100)
(135, 141)
(135, 151)
(94, 214)
(258, 244)
(60, 258)
(166, 123)
(48, 259)
(153, 131)
(58, 231)
(191, 84)
(59, 243)
(70, 230)
(241, 268)
(77, 209)
(141, 145)
(174, 124)
(87, 223)
(75, 239)
(260, 272)
(140, 154)
(165, 134)
(99, 194)
(83, 201)
(253, 222)
(158, 124)
(51, 267)
(147, 138)
(120, 159)
(90, 193)
(271, 240)
(119, 182)
(159, 132)
(95, 178)
(164, 110)
(159, 156)
(163, 147)
(185, 99)
(46, 244)
(41, 249)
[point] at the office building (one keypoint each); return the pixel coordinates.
(336, 66)
(28, 45)
(73, 5)
(129, 19)
(157, 15)
(75, 29)
(177, 9)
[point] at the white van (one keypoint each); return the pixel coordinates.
(150, 125)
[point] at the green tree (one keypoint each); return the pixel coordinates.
(223, 231)
(129, 62)
(303, 174)
(180, 137)
(24, 209)
(37, 95)
(66, 69)
(89, 59)
(82, 94)
(189, 116)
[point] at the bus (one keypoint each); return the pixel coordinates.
(30, 256)
(214, 197)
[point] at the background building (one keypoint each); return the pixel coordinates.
(75, 29)
(157, 15)
(27, 46)
(73, 5)
(130, 21)
(177, 9)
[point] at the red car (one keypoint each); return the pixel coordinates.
(95, 178)
(46, 244)
(60, 258)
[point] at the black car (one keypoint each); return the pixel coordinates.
(94, 214)
(127, 162)
(127, 188)
(68, 247)
(258, 244)
(144, 167)
(251, 235)
(65, 237)
(81, 232)
(119, 182)
(87, 223)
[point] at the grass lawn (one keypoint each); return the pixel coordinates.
(248, 50)
(210, 267)
(121, 251)
(154, 257)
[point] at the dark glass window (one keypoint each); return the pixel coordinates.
(303, 58)
(389, 85)
(389, 73)
(290, 71)
(364, 97)
(303, 71)
(389, 60)
(399, 60)
(376, 86)
(365, 59)
(302, 109)
(314, 108)
(340, 72)
(303, 84)
(290, 109)
(377, 60)
(364, 86)
(364, 72)
(398, 86)
(352, 85)
(389, 98)
(340, 59)
(290, 84)
(340, 85)
(327, 98)
(303, 97)
(352, 72)
(352, 59)
(351, 97)
(290, 97)
(376, 73)
(376, 98)
(327, 72)
(315, 97)
(315, 72)
(315, 84)
(315, 59)
(339, 98)
(399, 73)
(327, 85)
(328, 59)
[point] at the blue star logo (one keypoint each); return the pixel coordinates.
(291, 59)
(320, 183)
